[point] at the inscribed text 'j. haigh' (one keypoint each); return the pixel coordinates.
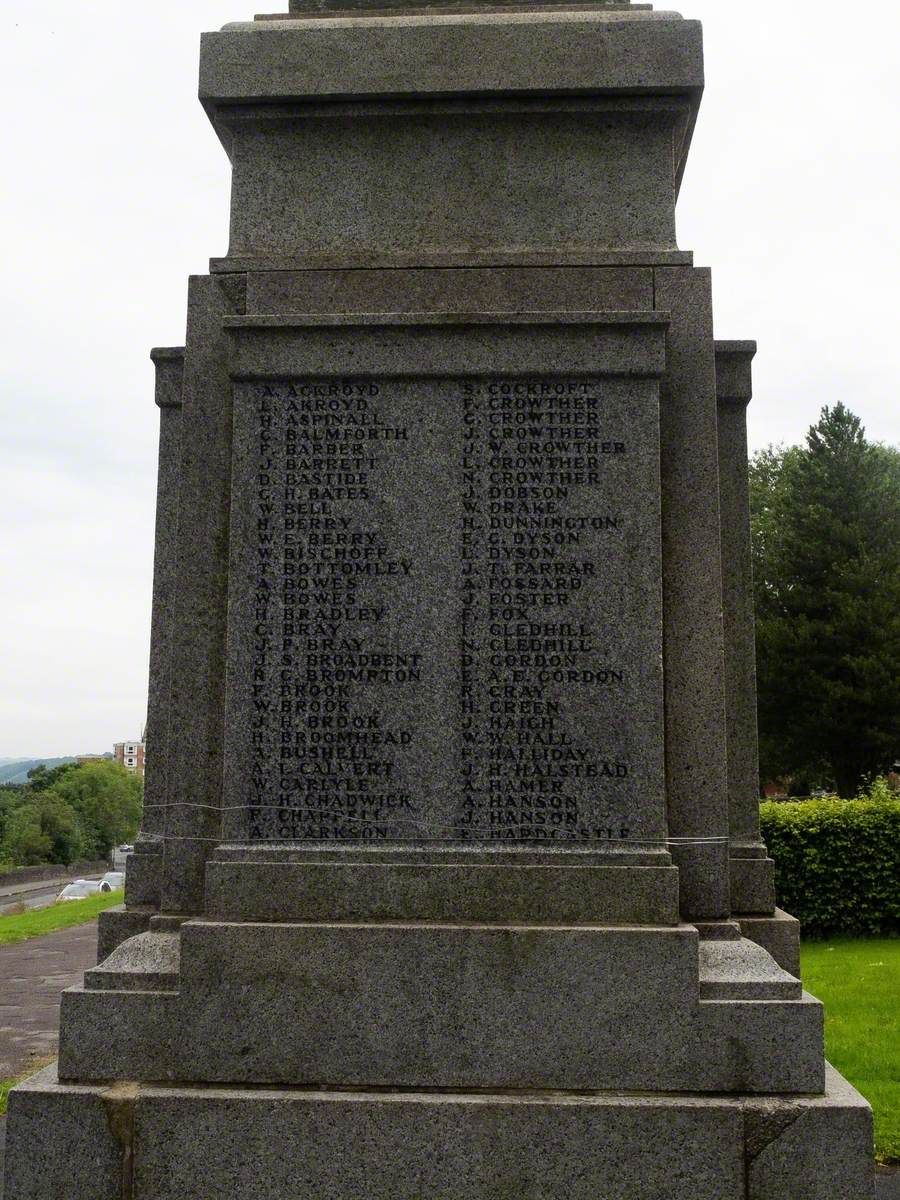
(445, 621)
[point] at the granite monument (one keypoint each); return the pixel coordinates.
(450, 882)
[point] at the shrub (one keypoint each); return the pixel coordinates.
(837, 862)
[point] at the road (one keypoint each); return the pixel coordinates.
(33, 895)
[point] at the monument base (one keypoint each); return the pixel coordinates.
(450, 1006)
(143, 1141)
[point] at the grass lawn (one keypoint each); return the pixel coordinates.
(858, 981)
(21, 926)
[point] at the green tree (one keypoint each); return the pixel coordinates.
(108, 801)
(42, 777)
(12, 795)
(826, 529)
(45, 829)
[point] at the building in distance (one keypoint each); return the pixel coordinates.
(130, 755)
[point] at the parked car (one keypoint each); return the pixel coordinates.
(112, 881)
(79, 889)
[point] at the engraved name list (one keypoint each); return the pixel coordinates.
(443, 619)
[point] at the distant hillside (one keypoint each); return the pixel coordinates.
(15, 770)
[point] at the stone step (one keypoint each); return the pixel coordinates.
(441, 1006)
(741, 970)
(148, 962)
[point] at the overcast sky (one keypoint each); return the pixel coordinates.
(115, 189)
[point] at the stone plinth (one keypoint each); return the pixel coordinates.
(446, 1006)
(324, 1145)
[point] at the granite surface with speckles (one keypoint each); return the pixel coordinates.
(143, 879)
(419, 932)
(200, 599)
(696, 764)
(752, 871)
(474, 659)
(327, 1145)
(456, 1005)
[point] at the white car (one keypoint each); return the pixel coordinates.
(112, 881)
(79, 890)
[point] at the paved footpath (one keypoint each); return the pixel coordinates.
(32, 976)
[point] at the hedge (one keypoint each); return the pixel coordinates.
(837, 862)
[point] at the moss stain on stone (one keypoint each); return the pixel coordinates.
(119, 1103)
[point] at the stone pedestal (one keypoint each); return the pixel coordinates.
(450, 883)
(266, 1144)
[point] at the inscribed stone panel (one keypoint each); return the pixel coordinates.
(445, 615)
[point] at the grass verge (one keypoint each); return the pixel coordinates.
(858, 981)
(21, 926)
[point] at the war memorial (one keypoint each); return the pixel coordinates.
(450, 883)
